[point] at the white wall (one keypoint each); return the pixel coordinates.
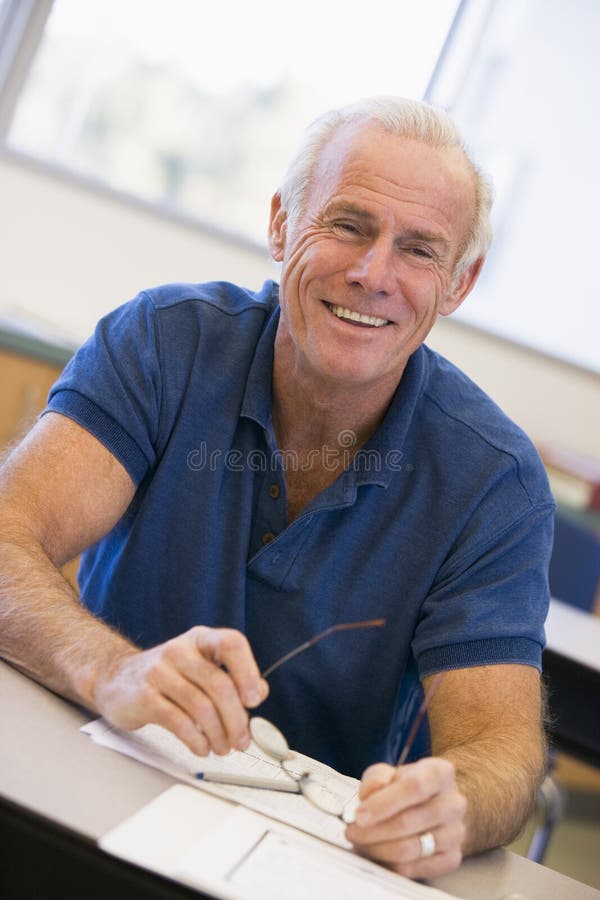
(69, 254)
(554, 402)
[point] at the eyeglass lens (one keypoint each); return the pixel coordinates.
(271, 741)
(269, 738)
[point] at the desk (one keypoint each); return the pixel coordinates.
(572, 669)
(55, 783)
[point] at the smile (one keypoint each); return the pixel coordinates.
(359, 318)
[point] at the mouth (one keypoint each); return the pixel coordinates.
(355, 318)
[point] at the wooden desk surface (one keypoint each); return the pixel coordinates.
(49, 767)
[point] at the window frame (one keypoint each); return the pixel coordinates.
(22, 24)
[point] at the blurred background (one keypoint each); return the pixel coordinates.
(140, 143)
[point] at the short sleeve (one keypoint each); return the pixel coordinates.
(490, 600)
(112, 386)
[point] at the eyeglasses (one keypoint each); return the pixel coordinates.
(329, 800)
(271, 741)
(268, 738)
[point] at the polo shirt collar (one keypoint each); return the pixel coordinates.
(258, 396)
(383, 454)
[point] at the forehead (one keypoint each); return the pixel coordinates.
(402, 177)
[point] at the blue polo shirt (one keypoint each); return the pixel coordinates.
(442, 523)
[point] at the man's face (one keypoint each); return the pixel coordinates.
(385, 221)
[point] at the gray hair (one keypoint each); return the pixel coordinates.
(406, 118)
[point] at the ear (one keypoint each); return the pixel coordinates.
(462, 287)
(277, 228)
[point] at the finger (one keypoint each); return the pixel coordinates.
(432, 866)
(189, 733)
(230, 648)
(219, 710)
(374, 778)
(164, 684)
(179, 674)
(403, 851)
(206, 718)
(410, 785)
(175, 720)
(207, 694)
(441, 809)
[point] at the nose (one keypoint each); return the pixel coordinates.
(372, 268)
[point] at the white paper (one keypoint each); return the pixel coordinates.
(237, 854)
(259, 858)
(160, 749)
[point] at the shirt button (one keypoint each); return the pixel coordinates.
(274, 491)
(267, 537)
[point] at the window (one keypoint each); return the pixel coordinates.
(197, 106)
(520, 79)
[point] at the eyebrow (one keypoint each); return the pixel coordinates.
(412, 234)
(350, 209)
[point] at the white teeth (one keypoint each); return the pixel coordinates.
(342, 313)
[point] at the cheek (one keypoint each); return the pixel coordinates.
(317, 255)
(307, 270)
(424, 289)
(295, 266)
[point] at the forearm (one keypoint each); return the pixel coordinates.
(477, 788)
(197, 684)
(499, 777)
(44, 628)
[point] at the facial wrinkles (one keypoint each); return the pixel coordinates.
(301, 241)
(397, 211)
(411, 211)
(437, 196)
(386, 231)
(298, 259)
(330, 284)
(409, 218)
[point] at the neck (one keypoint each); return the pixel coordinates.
(309, 414)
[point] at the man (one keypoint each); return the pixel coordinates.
(270, 464)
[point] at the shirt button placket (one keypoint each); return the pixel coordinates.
(274, 492)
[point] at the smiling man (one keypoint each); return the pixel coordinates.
(247, 469)
(368, 265)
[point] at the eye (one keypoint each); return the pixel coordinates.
(421, 252)
(346, 227)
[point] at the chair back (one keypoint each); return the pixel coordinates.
(574, 572)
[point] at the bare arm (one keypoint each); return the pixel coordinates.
(497, 746)
(60, 491)
(477, 789)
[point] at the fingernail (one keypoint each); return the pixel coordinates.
(253, 698)
(243, 742)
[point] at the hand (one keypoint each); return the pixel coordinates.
(398, 805)
(196, 685)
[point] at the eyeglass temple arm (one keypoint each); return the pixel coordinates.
(419, 718)
(344, 626)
